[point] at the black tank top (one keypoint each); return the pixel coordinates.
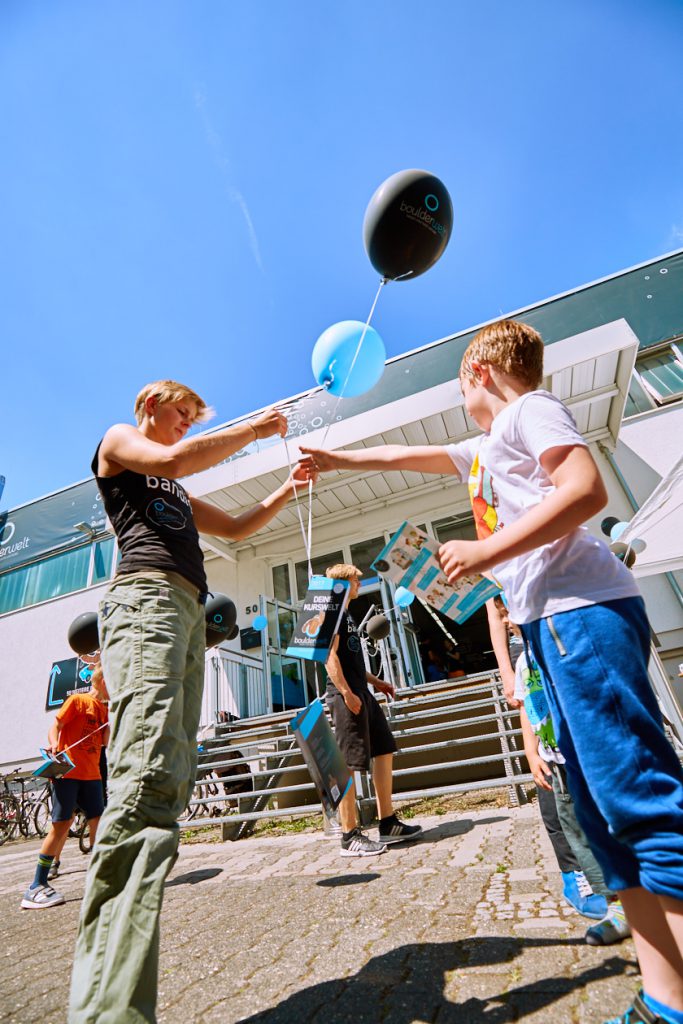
(350, 654)
(152, 519)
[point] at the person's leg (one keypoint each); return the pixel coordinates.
(382, 780)
(147, 630)
(594, 661)
(348, 813)
(382, 749)
(566, 860)
(574, 834)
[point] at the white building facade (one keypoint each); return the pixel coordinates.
(613, 354)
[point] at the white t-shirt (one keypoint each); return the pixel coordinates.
(505, 480)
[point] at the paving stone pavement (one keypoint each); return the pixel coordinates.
(466, 925)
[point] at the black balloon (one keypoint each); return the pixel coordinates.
(407, 224)
(378, 627)
(83, 634)
(221, 617)
(608, 523)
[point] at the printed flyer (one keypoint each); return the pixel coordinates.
(409, 560)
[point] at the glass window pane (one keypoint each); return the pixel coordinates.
(638, 399)
(364, 553)
(662, 374)
(319, 565)
(51, 577)
(455, 528)
(102, 558)
(281, 588)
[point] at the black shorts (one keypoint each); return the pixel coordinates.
(362, 736)
(67, 794)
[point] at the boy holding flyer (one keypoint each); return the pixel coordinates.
(533, 483)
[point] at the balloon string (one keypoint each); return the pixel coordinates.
(307, 540)
(353, 361)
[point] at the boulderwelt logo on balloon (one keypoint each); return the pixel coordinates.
(424, 214)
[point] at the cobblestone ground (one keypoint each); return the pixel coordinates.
(467, 925)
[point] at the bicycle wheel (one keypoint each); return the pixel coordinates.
(25, 817)
(84, 844)
(42, 817)
(10, 814)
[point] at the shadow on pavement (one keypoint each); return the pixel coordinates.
(408, 983)
(193, 877)
(459, 827)
(337, 880)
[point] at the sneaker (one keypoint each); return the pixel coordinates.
(638, 1013)
(613, 928)
(360, 845)
(391, 830)
(41, 897)
(577, 892)
(54, 870)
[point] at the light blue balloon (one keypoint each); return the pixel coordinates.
(333, 356)
(617, 530)
(403, 597)
(260, 622)
(638, 545)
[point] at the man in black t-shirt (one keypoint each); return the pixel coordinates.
(152, 633)
(362, 732)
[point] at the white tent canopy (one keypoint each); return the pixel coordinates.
(659, 522)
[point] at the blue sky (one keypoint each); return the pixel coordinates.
(184, 183)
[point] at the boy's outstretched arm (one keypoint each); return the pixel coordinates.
(214, 521)
(579, 494)
(420, 458)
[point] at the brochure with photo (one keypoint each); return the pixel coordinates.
(409, 560)
(322, 755)
(318, 620)
(54, 765)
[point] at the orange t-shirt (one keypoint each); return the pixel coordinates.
(80, 715)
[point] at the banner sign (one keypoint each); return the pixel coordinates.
(48, 525)
(66, 677)
(318, 621)
(322, 755)
(409, 560)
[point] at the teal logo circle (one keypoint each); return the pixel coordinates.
(429, 200)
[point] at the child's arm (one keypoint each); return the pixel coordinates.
(420, 458)
(537, 766)
(579, 494)
(501, 650)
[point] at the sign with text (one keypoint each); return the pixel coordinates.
(66, 677)
(49, 525)
(318, 620)
(322, 755)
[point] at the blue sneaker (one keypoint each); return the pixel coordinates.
(637, 1013)
(577, 891)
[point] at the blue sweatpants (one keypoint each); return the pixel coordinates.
(623, 774)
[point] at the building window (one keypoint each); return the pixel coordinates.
(657, 379)
(364, 553)
(57, 575)
(282, 589)
(455, 528)
(319, 565)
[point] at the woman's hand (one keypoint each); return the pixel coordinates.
(270, 422)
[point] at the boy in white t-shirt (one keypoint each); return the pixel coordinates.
(532, 483)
